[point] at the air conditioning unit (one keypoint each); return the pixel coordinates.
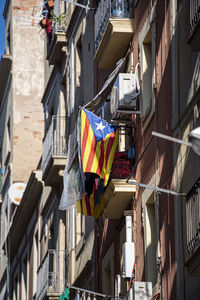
(124, 94)
(142, 290)
(128, 254)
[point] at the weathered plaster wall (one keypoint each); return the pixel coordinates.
(28, 84)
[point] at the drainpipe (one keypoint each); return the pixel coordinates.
(128, 248)
(129, 239)
(118, 286)
(129, 235)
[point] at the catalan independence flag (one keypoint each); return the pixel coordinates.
(93, 203)
(98, 145)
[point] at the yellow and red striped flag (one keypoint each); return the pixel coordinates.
(98, 143)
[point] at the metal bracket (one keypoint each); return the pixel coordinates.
(155, 188)
(86, 7)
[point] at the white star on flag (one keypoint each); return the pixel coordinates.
(100, 126)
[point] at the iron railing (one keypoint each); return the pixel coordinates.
(51, 274)
(194, 14)
(193, 218)
(54, 144)
(108, 9)
(59, 25)
(122, 165)
(124, 157)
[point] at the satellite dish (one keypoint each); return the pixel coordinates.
(16, 192)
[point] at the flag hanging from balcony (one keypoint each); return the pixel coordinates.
(92, 204)
(97, 146)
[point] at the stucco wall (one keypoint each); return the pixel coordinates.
(28, 84)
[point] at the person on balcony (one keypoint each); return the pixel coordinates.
(49, 29)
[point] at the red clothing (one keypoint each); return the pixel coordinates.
(49, 27)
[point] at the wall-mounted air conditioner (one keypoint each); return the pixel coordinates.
(124, 94)
(142, 290)
(128, 254)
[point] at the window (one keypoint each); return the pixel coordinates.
(147, 74)
(8, 139)
(35, 262)
(4, 210)
(150, 241)
(8, 44)
(108, 272)
(79, 227)
(147, 64)
(79, 61)
(71, 228)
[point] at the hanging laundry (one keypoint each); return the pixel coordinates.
(65, 295)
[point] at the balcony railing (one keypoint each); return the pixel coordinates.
(193, 218)
(54, 144)
(51, 275)
(59, 25)
(122, 165)
(194, 14)
(108, 9)
(56, 37)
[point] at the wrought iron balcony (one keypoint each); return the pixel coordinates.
(193, 229)
(119, 193)
(51, 274)
(122, 165)
(195, 25)
(57, 40)
(60, 24)
(193, 218)
(54, 146)
(113, 30)
(194, 13)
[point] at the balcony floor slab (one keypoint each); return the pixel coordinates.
(114, 42)
(117, 197)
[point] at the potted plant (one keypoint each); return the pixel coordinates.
(59, 20)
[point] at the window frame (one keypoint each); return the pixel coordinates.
(148, 26)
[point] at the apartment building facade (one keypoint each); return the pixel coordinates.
(186, 161)
(148, 230)
(21, 114)
(152, 261)
(53, 247)
(165, 45)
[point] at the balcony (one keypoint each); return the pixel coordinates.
(193, 229)
(51, 275)
(113, 32)
(57, 41)
(119, 193)
(194, 39)
(54, 151)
